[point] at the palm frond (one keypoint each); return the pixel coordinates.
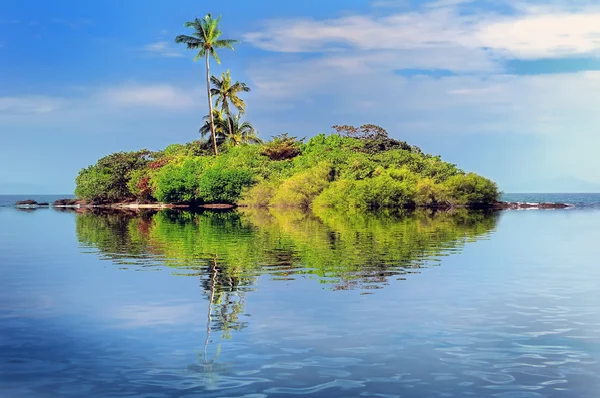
(216, 82)
(196, 24)
(213, 53)
(224, 43)
(239, 87)
(189, 40)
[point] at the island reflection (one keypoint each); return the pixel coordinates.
(228, 251)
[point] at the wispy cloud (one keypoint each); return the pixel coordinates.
(161, 96)
(27, 105)
(157, 97)
(163, 49)
(529, 32)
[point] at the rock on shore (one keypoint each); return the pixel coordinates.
(31, 203)
(28, 202)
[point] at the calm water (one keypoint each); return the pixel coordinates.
(279, 304)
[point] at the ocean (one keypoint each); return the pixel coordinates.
(252, 303)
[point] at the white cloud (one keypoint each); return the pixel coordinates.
(532, 31)
(30, 104)
(163, 49)
(549, 35)
(158, 96)
(106, 109)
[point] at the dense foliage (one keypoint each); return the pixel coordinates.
(364, 169)
(113, 177)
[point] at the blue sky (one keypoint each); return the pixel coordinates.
(509, 89)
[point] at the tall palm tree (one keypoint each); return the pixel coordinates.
(206, 39)
(227, 93)
(238, 132)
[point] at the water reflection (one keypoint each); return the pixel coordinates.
(228, 251)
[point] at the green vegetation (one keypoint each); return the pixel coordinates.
(353, 168)
(334, 171)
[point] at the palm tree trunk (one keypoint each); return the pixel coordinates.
(210, 107)
(229, 123)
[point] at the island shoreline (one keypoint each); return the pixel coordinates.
(81, 204)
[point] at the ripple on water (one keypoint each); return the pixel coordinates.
(339, 383)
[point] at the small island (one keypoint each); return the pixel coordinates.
(355, 168)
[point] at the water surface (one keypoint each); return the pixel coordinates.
(180, 304)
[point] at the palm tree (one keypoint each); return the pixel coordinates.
(220, 127)
(206, 39)
(238, 132)
(227, 93)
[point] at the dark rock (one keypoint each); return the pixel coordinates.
(26, 202)
(43, 204)
(65, 202)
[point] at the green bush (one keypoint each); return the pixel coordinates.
(179, 182)
(223, 186)
(260, 194)
(139, 184)
(430, 194)
(472, 189)
(282, 147)
(94, 183)
(108, 179)
(391, 188)
(300, 189)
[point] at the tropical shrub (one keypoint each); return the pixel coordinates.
(139, 184)
(179, 182)
(430, 194)
(300, 189)
(472, 189)
(391, 188)
(282, 147)
(108, 179)
(260, 194)
(223, 186)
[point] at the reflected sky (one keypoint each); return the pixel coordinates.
(465, 305)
